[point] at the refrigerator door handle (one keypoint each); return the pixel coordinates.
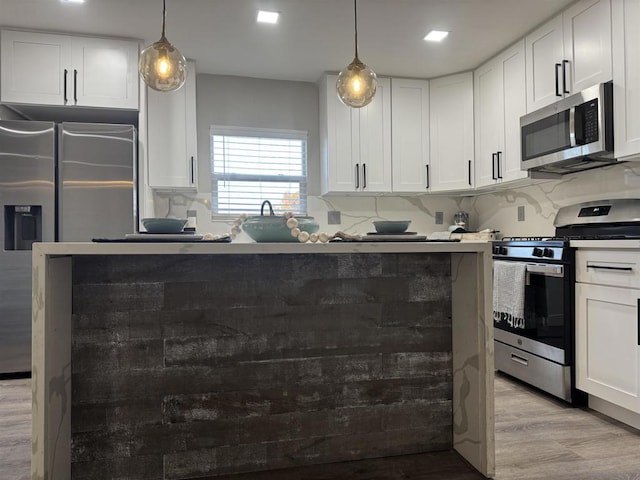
(75, 86)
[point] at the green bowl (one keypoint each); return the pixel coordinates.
(391, 226)
(273, 228)
(164, 225)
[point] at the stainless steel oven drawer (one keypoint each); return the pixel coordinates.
(537, 371)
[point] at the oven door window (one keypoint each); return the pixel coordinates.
(544, 311)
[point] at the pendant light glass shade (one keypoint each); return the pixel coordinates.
(161, 65)
(357, 83)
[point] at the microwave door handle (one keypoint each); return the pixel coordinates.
(572, 127)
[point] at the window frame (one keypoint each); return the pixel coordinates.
(255, 132)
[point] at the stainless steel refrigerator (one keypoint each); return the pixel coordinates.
(68, 182)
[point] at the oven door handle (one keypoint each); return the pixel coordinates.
(548, 270)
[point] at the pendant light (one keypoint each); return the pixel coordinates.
(356, 83)
(161, 65)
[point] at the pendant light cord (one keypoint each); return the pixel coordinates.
(355, 23)
(164, 16)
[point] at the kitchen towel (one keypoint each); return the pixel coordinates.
(508, 293)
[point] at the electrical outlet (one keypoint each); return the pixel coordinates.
(439, 218)
(333, 217)
(521, 213)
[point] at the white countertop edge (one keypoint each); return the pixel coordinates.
(89, 248)
(605, 243)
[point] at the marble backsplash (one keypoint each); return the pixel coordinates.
(495, 210)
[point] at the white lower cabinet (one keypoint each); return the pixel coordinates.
(607, 323)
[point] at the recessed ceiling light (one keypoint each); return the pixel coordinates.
(265, 16)
(72, 1)
(435, 36)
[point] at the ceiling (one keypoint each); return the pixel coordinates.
(312, 36)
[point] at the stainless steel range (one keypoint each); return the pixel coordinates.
(539, 349)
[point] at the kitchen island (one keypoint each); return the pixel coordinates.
(192, 360)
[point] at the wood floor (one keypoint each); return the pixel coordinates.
(537, 437)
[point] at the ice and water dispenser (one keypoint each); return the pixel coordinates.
(22, 226)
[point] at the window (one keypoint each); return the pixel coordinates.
(249, 166)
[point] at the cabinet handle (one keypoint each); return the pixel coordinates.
(427, 167)
(493, 166)
(470, 173)
(638, 320)
(357, 176)
(364, 176)
(499, 161)
(519, 359)
(66, 74)
(564, 76)
(558, 65)
(605, 267)
(193, 171)
(75, 86)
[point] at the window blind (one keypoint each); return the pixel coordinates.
(252, 165)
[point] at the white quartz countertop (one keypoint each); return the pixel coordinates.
(605, 243)
(204, 248)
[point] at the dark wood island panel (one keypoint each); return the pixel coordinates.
(196, 360)
(193, 366)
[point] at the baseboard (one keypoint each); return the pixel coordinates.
(614, 411)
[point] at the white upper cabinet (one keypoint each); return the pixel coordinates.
(544, 53)
(172, 138)
(48, 69)
(569, 53)
(626, 77)
(451, 132)
(355, 142)
(500, 101)
(410, 135)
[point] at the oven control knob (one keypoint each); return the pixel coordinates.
(503, 250)
(496, 250)
(537, 252)
(548, 253)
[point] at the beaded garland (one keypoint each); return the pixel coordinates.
(292, 225)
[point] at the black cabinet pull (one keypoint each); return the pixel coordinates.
(638, 320)
(357, 176)
(564, 76)
(193, 170)
(364, 176)
(493, 166)
(558, 65)
(470, 173)
(66, 74)
(499, 161)
(75, 86)
(427, 167)
(606, 267)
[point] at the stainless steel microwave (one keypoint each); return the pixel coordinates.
(573, 134)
